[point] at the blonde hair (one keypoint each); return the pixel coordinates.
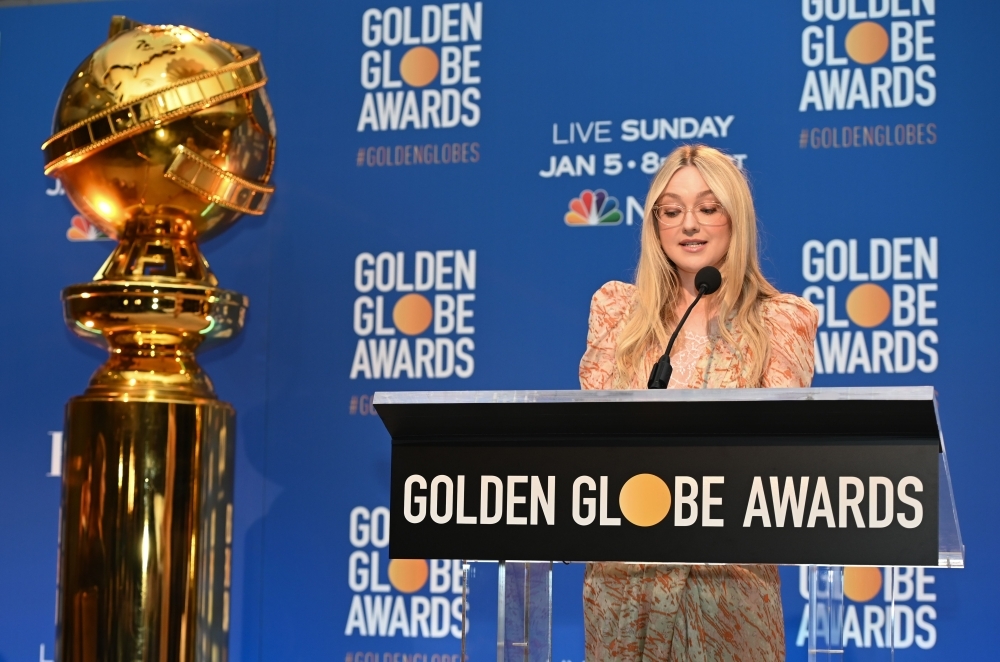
(658, 286)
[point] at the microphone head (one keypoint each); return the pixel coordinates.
(709, 278)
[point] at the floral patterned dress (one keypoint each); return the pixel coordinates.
(658, 612)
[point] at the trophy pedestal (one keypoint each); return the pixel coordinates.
(145, 560)
(145, 555)
(162, 157)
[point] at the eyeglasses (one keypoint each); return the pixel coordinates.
(706, 213)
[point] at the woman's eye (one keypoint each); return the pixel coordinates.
(709, 210)
(671, 212)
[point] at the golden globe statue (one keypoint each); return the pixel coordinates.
(162, 137)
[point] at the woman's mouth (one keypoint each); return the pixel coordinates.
(693, 245)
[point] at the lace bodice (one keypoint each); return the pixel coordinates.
(688, 349)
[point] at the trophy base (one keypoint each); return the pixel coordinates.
(146, 531)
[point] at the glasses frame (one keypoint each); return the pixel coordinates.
(687, 210)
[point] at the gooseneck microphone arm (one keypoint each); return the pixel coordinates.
(660, 376)
(707, 280)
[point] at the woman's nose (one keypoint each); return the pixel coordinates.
(690, 224)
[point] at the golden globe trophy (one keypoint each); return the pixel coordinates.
(163, 137)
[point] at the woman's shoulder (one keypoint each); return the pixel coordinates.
(791, 312)
(612, 301)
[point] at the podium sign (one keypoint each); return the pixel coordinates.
(788, 476)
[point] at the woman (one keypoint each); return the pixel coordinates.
(698, 213)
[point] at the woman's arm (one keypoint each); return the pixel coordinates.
(607, 310)
(792, 322)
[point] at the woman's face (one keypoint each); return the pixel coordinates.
(692, 244)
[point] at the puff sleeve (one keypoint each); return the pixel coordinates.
(792, 322)
(608, 311)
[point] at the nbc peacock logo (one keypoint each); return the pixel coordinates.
(80, 229)
(593, 208)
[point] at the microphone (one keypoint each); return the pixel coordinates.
(708, 280)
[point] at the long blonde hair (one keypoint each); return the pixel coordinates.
(658, 286)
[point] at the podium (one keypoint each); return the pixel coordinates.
(822, 477)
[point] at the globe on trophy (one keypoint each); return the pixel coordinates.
(163, 137)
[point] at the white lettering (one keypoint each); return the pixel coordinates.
(918, 508)
(513, 500)
(757, 505)
(707, 500)
(484, 499)
(683, 499)
(409, 500)
(851, 502)
(589, 503)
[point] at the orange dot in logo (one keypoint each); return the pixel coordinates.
(867, 42)
(408, 575)
(868, 305)
(862, 584)
(412, 314)
(644, 500)
(419, 66)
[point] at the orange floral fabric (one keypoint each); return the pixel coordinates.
(690, 613)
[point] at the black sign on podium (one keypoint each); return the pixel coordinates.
(789, 476)
(822, 477)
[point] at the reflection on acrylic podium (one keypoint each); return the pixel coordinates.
(535, 475)
(827, 631)
(524, 608)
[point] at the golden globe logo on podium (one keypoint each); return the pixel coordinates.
(163, 137)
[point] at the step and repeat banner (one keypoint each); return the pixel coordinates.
(454, 181)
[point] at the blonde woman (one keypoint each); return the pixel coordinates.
(698, 213)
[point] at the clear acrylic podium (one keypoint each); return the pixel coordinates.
(455, 452)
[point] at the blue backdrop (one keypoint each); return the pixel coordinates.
(428, 156)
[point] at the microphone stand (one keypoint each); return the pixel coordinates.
(660, 375)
